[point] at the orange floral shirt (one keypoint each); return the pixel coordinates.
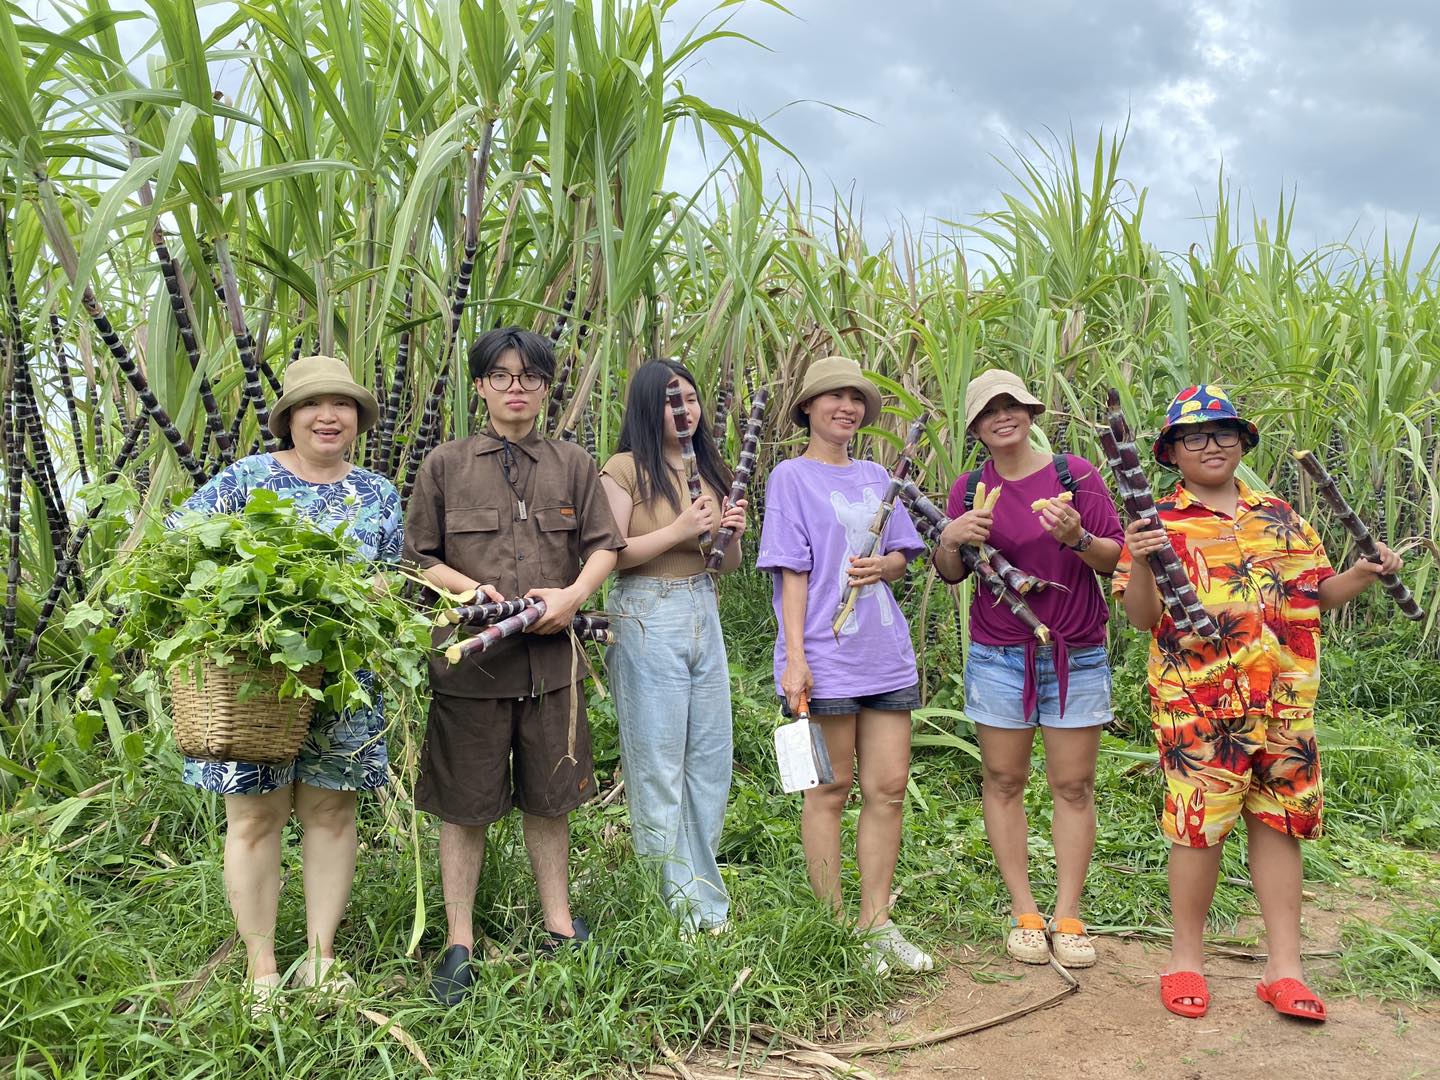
(1259, 575)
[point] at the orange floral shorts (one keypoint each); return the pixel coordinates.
(1218, 767)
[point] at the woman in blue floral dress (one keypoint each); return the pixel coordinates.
(317, 418)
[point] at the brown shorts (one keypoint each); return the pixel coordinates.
(483, 755)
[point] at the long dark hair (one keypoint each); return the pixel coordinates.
(642, 433)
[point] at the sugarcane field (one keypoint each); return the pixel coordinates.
(640, 538)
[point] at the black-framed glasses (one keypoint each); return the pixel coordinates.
(1197, 440)
(501, 380)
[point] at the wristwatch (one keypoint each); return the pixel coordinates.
(1086, 539)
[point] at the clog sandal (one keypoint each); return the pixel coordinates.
(1184, 984)
(1070, 943)
(1285, 995)
(1026, 940)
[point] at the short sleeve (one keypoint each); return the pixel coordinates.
(621, 469)
(784, 540)
(598, 531)
(424, 535)
(390, 544)
(1319, 560)
(1094, 502)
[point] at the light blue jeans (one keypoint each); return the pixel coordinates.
(671, 682)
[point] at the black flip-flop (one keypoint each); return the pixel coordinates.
(453, 978)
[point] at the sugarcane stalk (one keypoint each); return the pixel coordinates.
(685, 435)
(723, 400)
(486, 612)
(1134, 487)
(67, 390)
(589, 623)
(14, 481)
(744, 470)
(385, 436)
(1364, 542)
(882, 516)
(492, 635)
(184, 311)
(933, 522)
(229, 292)
(429, 431)
(560, 389)
(69, 562)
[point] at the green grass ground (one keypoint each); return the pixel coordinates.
(110, 905)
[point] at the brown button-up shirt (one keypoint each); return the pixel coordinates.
(465, 513)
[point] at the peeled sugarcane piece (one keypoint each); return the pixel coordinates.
(744, 470)
(1063, 497)
(993, 497)
(932, 524)
(492, 635)
(485, 613)
(1364, 542)
(675, 396)
(980, 495)
(1139, 502)
(898, 476)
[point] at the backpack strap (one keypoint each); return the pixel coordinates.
(972, 481)
(1062, 470)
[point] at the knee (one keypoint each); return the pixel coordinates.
(884, 790)
(1077, 792)
(830, 798)
(1007, 786)
(332, 813)
(253, 825)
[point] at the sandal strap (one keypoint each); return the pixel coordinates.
(1029, 921)
(1068, 926)
(1289, 992)
(1184, 984)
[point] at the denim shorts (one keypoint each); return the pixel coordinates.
(906, 699)
(995, 687)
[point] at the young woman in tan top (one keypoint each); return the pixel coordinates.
(668, 667)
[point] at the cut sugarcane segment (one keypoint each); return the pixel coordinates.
(994, 496)
(1040, 504)
(979, 503)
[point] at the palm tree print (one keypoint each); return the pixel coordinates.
(1282, 524)
(1177, 657)
(1231, 634)
(1178, 754)
(1231, 743)
(1239, 578)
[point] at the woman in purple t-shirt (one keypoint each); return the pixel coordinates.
(861, 683)
(1062, 529)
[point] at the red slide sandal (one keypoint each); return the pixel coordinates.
(1185, 984)
(1284, 995)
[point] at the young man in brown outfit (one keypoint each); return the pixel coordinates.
(511, 514)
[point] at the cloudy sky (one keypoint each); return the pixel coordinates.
(1337, 100)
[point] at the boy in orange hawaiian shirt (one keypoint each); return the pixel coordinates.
(1234, 717)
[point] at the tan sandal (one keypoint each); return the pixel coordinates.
(1071, 943)
(1026, 940)
(262, 994)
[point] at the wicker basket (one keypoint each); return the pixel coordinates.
(213, 724)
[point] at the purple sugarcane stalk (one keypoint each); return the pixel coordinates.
(487, 612)
(933, 522)
(686, 436)
(1139, 502)
(492, 635)
(882, 516)
(744, 470)
(1364, 542)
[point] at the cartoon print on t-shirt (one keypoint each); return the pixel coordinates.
(855, 518)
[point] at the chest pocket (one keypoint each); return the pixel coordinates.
(559, 542)
(472, 537)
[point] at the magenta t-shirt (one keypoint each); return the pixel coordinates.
(1078, 616)
(816, 517)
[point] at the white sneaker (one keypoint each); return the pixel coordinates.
(321, 973)
(262, 992)
(888, 944)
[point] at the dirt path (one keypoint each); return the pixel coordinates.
(1115, 1026)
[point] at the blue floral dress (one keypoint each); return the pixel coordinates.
(344, 752)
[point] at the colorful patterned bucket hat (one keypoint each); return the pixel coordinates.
(1199, 405)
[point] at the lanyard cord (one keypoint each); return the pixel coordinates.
(507, 461)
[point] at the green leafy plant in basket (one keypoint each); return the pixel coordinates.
(265, 590)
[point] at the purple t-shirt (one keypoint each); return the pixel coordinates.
(1076, 616)
(816, 517)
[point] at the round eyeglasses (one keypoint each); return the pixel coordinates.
(1197, 440)
(501, 380)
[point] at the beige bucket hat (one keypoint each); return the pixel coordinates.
(836, 373)
(311, 376)
(988, 385)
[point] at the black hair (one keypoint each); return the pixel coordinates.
(535, 352)
(642, 433)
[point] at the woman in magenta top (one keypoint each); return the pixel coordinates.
(1014, 684)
